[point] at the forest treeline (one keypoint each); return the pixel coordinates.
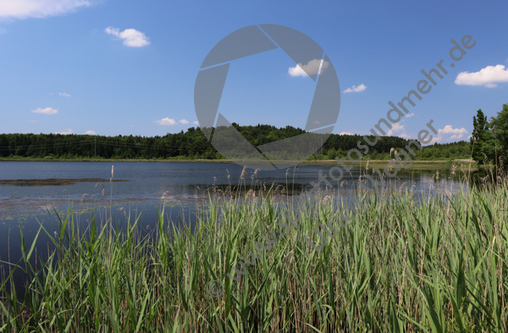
(193, 144)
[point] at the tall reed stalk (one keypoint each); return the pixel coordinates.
(400, 264)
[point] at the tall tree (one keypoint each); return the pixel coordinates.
(500, 132)
(482, 141)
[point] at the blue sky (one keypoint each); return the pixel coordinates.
(128, 67)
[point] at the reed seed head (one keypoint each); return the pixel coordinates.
(244, 172)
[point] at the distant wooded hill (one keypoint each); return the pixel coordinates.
(193, 144)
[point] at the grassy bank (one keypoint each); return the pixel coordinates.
(417, 165)
(393, 264)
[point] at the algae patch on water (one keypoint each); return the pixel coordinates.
(54, 181)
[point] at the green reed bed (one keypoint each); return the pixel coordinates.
(400, 264)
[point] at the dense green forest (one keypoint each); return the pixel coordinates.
(489, 140)
(193, 144)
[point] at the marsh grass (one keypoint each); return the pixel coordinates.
(401, 263)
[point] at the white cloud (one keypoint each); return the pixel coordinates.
(45, 111)
(90, 133)
(448, 129)
(131, 37)
(397, 127)
(410, 115)
(69, 131)
(404, 135)
(22, 9)
(64, 94)
(196, 122)
(312, 68)
(360, 88)
(456, 134)
(346, 133)
(166, 121)
(487, 77)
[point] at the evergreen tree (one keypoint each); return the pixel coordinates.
(482, 141)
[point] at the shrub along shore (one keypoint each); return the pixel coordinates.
(392, 263)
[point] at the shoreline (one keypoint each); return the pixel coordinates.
(444, 161)
(416, 165)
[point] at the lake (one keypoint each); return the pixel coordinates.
(29, 189)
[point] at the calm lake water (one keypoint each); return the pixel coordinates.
(29, 189)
